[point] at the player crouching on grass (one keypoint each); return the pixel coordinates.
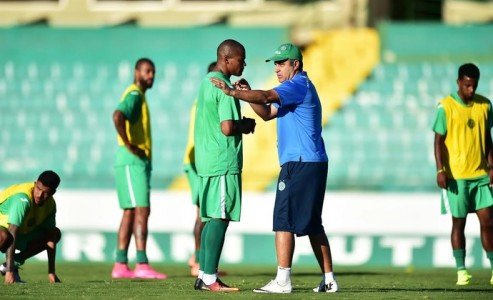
(27, 223)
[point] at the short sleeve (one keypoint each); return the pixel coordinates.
(18, 209)
(227, 109)
(440, 124)
(291, 92)
(131, 105)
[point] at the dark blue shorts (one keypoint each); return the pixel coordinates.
(300, 198)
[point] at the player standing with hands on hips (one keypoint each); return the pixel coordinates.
(464, 161)
(304, 164)
(133, 165)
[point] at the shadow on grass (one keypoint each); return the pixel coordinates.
(308, 274)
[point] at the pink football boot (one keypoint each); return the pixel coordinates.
(145, 271)
(121, 270)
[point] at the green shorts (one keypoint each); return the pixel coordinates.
(466, 196)
(193, 182)
(133, 185)
(220, 197)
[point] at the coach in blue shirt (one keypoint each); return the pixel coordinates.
(303, 160)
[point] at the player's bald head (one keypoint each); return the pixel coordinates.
(229, 48)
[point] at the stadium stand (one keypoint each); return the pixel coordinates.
(382, 138)
(59, 87)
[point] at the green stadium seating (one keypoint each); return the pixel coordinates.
(382, 138)
(59, 87)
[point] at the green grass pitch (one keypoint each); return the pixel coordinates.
(92, 280)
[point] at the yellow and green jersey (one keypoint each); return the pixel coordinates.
(133, 105)
(465, 127)
(189, 157)
(17, 208)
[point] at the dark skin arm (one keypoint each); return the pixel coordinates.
(51, 251)
(440, 149)
(489, 155)
(236, 127)
(259, 100)
(119, 121)
(9, 256)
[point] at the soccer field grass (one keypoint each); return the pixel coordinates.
(92, 280)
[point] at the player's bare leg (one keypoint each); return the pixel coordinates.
(121, 269)
(142, 269)
(126, 229)
(6, 239)
(47, 241)
(485, 217)
(458, 237)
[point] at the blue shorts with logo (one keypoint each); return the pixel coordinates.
(300, 198)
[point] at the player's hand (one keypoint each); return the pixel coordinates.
(53, 278)
(9, 278)
(220, 84)
(136, 151)
(442, 180)
(247, 125)
(242, 84)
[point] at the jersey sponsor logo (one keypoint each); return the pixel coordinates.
(282, 186)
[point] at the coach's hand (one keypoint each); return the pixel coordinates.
(53, 278)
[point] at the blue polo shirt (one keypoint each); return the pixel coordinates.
(299, 121)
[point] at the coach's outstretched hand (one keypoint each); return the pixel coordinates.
(53, 278)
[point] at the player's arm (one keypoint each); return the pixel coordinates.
(119, 120)
(49, 225)
(259, 100)
(51, 251)
(489, 144)
(9, 256)
(439, 147)
(236, 127)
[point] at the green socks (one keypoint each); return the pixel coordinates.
(202, 246)
(214, 241)
(122, 256)
(460, 258)
(142, 257)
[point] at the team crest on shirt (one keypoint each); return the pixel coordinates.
(282, 186)
(471, 123)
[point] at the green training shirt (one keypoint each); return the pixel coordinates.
(215, 153)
